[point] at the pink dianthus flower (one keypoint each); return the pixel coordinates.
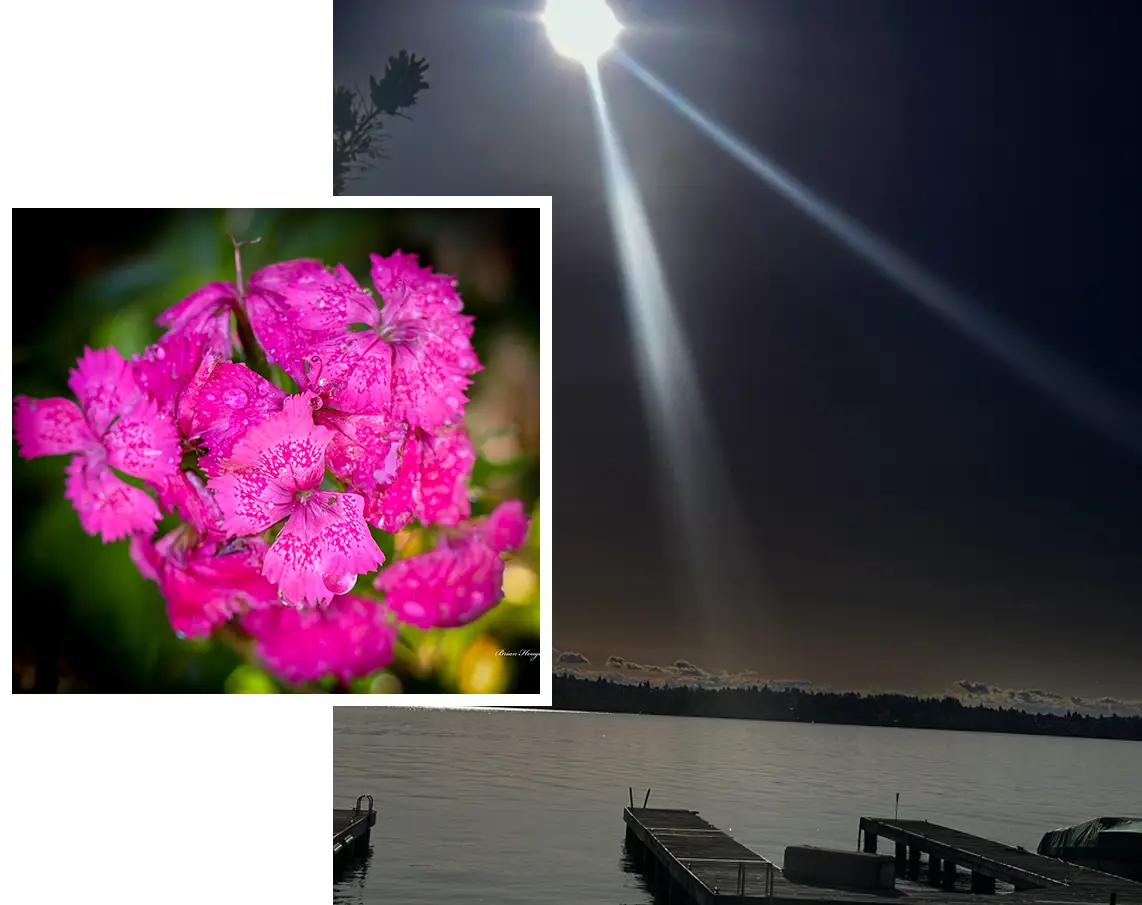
(273, 473)
(114, 426)
(461, 579)
(351, 637)
(409, 358)
(205, 583)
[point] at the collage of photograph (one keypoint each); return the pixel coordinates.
(687, 452)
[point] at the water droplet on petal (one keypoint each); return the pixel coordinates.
(160, 353)
(235, 398)
(339, 582)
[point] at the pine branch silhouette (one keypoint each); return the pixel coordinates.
(358, 139)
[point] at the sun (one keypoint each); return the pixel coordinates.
(583, 30)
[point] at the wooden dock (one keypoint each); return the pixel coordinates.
(946, 849)
(351, 828)
(688, 860)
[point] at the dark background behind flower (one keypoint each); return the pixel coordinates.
(83, 617)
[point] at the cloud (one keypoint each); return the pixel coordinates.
(1037, 700)
(682, 673)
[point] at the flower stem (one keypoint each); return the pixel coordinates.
(250, 348)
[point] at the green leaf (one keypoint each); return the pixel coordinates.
(385, 541)
(247, 679)
(282, 380)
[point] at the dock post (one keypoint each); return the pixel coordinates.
(870, 842)
(949, 875)
(933, 870)
(901, 856)
(914, 862)
(981, 883)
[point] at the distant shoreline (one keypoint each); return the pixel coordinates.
(835, 708)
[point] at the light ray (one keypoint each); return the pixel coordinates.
(693, 476)
(1038, 366)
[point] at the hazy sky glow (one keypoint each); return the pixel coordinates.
(917, 513)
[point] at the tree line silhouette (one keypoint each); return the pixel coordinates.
(847, 708)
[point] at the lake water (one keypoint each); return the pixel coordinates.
(526, 807)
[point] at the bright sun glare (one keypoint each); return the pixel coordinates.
(583, 30)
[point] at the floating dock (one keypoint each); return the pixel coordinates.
(351, 828)
(947, 849)
(688, 860)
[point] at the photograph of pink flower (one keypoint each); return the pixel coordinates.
(305, 466)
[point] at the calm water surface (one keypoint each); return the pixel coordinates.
(526, 807)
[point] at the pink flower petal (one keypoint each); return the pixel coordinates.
(104, 385)
(351, 637)
(144, 443)
(222, 402)
(106, 505)
(165, 368)
(364, 451)
(204, 313)
(145, 556)
(205, 583)
(186, 494)
(250, 502)
(446, 462)
(445, 587)
(326, 301)
(432, 350)
(505, 528)
(51, 427)
(389, 272)
(428, 386)
(322, 549)
(430, 484)
(354, 373)
(276, 303)
(215, 584)
(461, 579)
(288, 448)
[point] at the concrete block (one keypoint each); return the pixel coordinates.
(839, 868)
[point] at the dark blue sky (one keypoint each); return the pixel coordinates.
(919, 515)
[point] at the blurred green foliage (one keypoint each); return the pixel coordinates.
(83, 617)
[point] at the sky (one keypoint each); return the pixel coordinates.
(912, 513)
